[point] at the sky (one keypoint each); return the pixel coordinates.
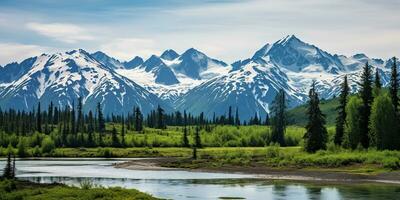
(228, 30)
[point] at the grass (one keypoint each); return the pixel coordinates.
(16, 190)
(367, 162)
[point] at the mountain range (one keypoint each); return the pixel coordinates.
(190, 81)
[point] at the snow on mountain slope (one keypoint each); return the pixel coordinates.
(189, 81)
(250, 89)
(64, 77)
(290, 64)
(107, 60)
(171, 75)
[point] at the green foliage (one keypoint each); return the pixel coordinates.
(316, 134)
(48, 145)
(341, 109)
(384, 127)
(10, 189)
(367, 98)
(22, 149)
(352, 129)
(279, 121)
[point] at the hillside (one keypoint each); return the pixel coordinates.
(297, 115)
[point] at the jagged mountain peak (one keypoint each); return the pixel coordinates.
(152, 63)
(107, 60)
(135, 62)
(169, 54)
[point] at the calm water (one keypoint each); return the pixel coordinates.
(190, 185)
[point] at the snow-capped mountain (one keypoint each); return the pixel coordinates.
(64, 77)
(171, 75)
(290, 64)
(189, 81)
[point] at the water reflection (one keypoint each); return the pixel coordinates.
(192, 185)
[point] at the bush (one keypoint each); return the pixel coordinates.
(36, 151)
(273, 151)
(86, 184)
(22, 148)
(48, 145)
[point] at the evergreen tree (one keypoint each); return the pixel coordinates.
(14, 168)
(237, 119)
(278, 124)
(384, 126)
(38, 119)
(197, 138)
(123, 131)
(114, 137)
(7, 172)
(185, 139)
(80, 119)
(316, 135)
(352, 126)
(394, 86)
(341, 117)
(138, 120)
(160, 118)
(50, 115)
(267, 120)
(101, 122)
(73, 120)
(366, 97)
(90, 139)
(194, 153)
(230, 116)
(377, 82)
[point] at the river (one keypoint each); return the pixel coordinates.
(181, 184)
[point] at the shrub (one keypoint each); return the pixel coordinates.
(48, 145)
(273, 151)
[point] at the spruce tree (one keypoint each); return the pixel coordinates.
(7, 172)
(123, 132)
(101, 122)
(341, 109)
(278, 124)
(230, 116)
(80, 119)
(138, 120)
(38, 119)
(316, 133)
(237, 119)
(394, 86)
(185, 139)
(197, 138)
(90, 129)
(160, 118)
(366, 97)
(114, 137)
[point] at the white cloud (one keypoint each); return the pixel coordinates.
(127, 48)
(12, 52)
(69, 33)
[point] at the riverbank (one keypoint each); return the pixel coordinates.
(15, 189)
(341, 175)
(365, 162)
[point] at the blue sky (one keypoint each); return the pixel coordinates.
(224, 29)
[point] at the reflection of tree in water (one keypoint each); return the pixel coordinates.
(370, 192)
(314, 192)
(279, 191)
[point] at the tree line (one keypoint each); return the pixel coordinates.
(369, 118)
